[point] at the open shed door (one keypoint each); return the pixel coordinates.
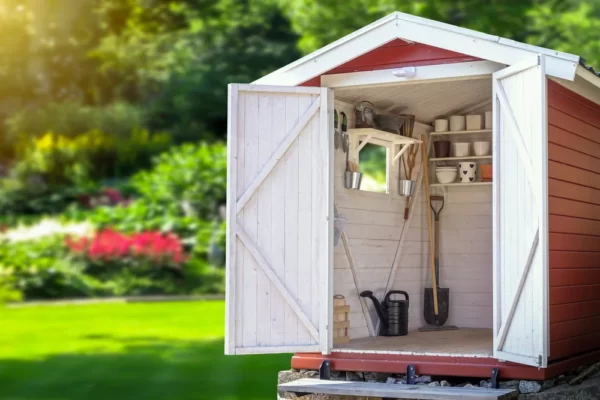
(521, 213)
(279, 219)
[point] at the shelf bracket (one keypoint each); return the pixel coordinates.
(402, 151)
(363, 144)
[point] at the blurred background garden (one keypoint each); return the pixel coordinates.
(113, 175)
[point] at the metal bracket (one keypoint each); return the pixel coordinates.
(495, 381)
(411, 371)
(325, 370)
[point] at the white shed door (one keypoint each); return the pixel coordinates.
(521, 213)
(279, 219)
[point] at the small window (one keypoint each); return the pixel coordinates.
(373, 165)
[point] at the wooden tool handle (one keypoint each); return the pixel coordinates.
(430, 230)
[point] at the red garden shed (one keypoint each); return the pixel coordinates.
(519, 253)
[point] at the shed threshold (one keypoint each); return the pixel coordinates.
(472, 343)
(393, 391)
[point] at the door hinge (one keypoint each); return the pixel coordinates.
(539, 60)
(540, 361)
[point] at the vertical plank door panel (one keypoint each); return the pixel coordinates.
(278, 211)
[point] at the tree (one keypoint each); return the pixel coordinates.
(319, 22)
(178, 56)
(569, 26)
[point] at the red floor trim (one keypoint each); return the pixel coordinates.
(425, 365)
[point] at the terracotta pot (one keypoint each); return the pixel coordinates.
(441, 148)
(486, 171)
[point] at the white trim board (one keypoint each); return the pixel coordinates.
(437, 73)
(416, 29)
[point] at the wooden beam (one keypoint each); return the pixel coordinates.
(365, 141)
(230, 259)
(515, 301)
(517, 137)
(268, 270)
(279, 153)
(276, 349)
(363, 304)
(384, 390)
(427, 73)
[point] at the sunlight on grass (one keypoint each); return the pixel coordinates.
(124, 351)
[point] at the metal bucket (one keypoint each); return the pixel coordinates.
(406, 187)
(352, 180)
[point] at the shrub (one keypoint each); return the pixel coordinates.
(72, 119)
(192, 177)
(43, 269)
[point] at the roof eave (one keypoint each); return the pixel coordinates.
(411, 28)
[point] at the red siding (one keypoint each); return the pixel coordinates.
(574, 189)
(395, 54)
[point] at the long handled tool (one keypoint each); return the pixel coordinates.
(437, 300)
(425, 161)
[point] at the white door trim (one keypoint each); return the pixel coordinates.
(439, 72)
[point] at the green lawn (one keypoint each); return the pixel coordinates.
(143, 351)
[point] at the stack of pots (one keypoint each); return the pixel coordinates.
(467, 169)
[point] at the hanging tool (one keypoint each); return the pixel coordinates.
(409, 165)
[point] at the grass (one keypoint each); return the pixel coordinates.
(149, 351)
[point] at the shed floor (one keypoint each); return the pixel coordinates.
(461, 343)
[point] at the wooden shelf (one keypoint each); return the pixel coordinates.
(471, 132)
(363, 136)
(461, 184)
(460, 158)
(381, 135)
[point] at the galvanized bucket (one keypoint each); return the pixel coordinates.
(352, 180)
(406, 187)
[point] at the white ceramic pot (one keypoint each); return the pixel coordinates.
(488, 120)
(481, 148)
(446, 174)
(457, 123)
(474, 122)
(441, 125)
(461, 149)
(467, 170)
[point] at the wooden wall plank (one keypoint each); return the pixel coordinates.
(564, 138)
(561, 224)
(414, 54)
(574, 277)
(574, 294)
(574, 222)
(571, 329)
(568, 242)
(574, 259)
(573, 311)
(574, 345)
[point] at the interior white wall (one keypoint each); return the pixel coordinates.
(375, 224)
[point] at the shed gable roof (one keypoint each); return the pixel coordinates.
(416, 29)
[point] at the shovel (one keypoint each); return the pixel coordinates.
(443, 294)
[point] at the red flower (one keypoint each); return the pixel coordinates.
(111, 245)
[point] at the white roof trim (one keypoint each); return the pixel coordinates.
(416, 29)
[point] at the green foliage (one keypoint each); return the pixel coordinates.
(191, 177)
(180, 55)
(42, 269)
(569, 26)
(45, 269)
(321, 22)
(31, 198)
(72, 119)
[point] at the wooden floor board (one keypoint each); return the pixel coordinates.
(394, 391)
(462, 343)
